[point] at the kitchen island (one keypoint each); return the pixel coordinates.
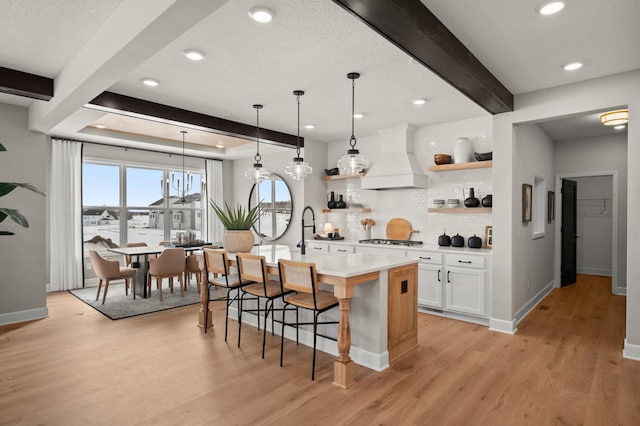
(377, 312)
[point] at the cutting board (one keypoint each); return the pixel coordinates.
(399, 229)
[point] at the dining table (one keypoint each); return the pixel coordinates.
(140, 261)
(385, 289)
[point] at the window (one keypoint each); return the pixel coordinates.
(123, 204)
(539, 206)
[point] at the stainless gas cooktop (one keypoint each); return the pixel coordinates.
(383, 241)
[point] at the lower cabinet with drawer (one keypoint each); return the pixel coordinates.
(452, 283)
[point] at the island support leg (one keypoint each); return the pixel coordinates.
(343, 366)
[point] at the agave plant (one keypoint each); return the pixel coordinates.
(15, 215)
(238, 218)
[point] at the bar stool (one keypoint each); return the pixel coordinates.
(302, 279)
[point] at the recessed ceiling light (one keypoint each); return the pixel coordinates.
(358, 115)
(573, 66)
(101, 126)
(150, 82)
(550, 8)
(261, 14)
(220, 145)
(419, 101)
(620, 127)
(194, 55)
(310, 126)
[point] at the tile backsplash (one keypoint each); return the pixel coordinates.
(412, 204)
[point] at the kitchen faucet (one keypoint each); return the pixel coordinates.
(313, 218)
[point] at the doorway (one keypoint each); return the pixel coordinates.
(597, 203)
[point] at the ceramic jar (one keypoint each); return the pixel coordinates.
(462, 151)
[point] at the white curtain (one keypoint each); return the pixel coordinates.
(215, 230)
(65, 221)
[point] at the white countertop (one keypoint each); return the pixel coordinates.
(424, 247)
(339, 265)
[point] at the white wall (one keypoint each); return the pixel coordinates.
(23, 266)
(595, 156)
(533, 157)
(583, 97)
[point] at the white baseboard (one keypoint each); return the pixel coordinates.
(359, 356)
(22, 316)
(631, 351)
(502, 326)
(524, 311)
(620, 291)
(594, 271)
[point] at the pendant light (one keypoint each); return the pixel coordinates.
(352, 162)
(298, 169)
(182, 187)
(257, 173)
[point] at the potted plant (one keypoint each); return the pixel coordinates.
(237, 222)
(15, 215)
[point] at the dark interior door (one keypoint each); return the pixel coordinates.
(569, 232)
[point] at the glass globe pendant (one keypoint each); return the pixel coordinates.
(298, 169)
(257, 173)
(352, 162)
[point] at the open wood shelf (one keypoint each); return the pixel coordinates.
(339, 177)
(362, 210)
(462, 166)
(460, 210)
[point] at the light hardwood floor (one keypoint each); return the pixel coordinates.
(564, 366)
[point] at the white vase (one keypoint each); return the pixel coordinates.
(238, 241)
(462, 151)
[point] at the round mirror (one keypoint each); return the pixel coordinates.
(274, 195)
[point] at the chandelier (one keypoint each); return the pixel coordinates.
(298, 169)
(180, 182)
(352, 162)
(257, 173)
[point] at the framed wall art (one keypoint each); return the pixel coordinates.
(488, 237)
(527, 194)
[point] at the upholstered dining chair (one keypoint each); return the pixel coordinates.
(218, 273)
(254, 268)
(127, 259)
(302, 279)
(195, 266)
(169, 264)
(108, 270)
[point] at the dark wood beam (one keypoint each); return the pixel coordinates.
(413, 28)
(134, 107)
(24, 84)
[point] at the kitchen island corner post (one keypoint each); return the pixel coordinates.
(205, 317)
(343, 375)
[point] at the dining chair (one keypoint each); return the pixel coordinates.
(127, 258)
(254, 268)
(169, 264)
(301, 279)
(108, 270)
(218, 273)
(195, 266)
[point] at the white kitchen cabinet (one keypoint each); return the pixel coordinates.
(315, 247)
(430, 286)
(465, 284)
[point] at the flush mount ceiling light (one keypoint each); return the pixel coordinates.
(352, 162)
(550, 8)
(261, 14)
(150, 82)
(257, 173)
(194, 55)
(419, 101)
(615, 118)
(298, 169)
(572, 66)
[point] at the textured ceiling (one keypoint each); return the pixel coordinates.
(311, 45)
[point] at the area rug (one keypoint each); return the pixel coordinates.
(118, 306)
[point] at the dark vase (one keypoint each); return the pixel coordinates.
(340, 204)
(472, 201)
(487, 201)
(332, 201)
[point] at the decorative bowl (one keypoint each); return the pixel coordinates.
(438, 204)
(487, 156)
(331, 172)
(442, 159)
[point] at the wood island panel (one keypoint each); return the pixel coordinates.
(402, 316)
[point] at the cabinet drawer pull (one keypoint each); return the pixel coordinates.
(317, 248)
(448, 280)
(342, 250)
(439, 275)
(425, 258)
(464, 261)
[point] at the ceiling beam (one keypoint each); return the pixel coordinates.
(413, 28)
(139, 108)
(24, 84)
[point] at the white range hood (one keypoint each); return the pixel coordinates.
(397, 166)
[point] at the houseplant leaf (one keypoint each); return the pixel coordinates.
(15, 215)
